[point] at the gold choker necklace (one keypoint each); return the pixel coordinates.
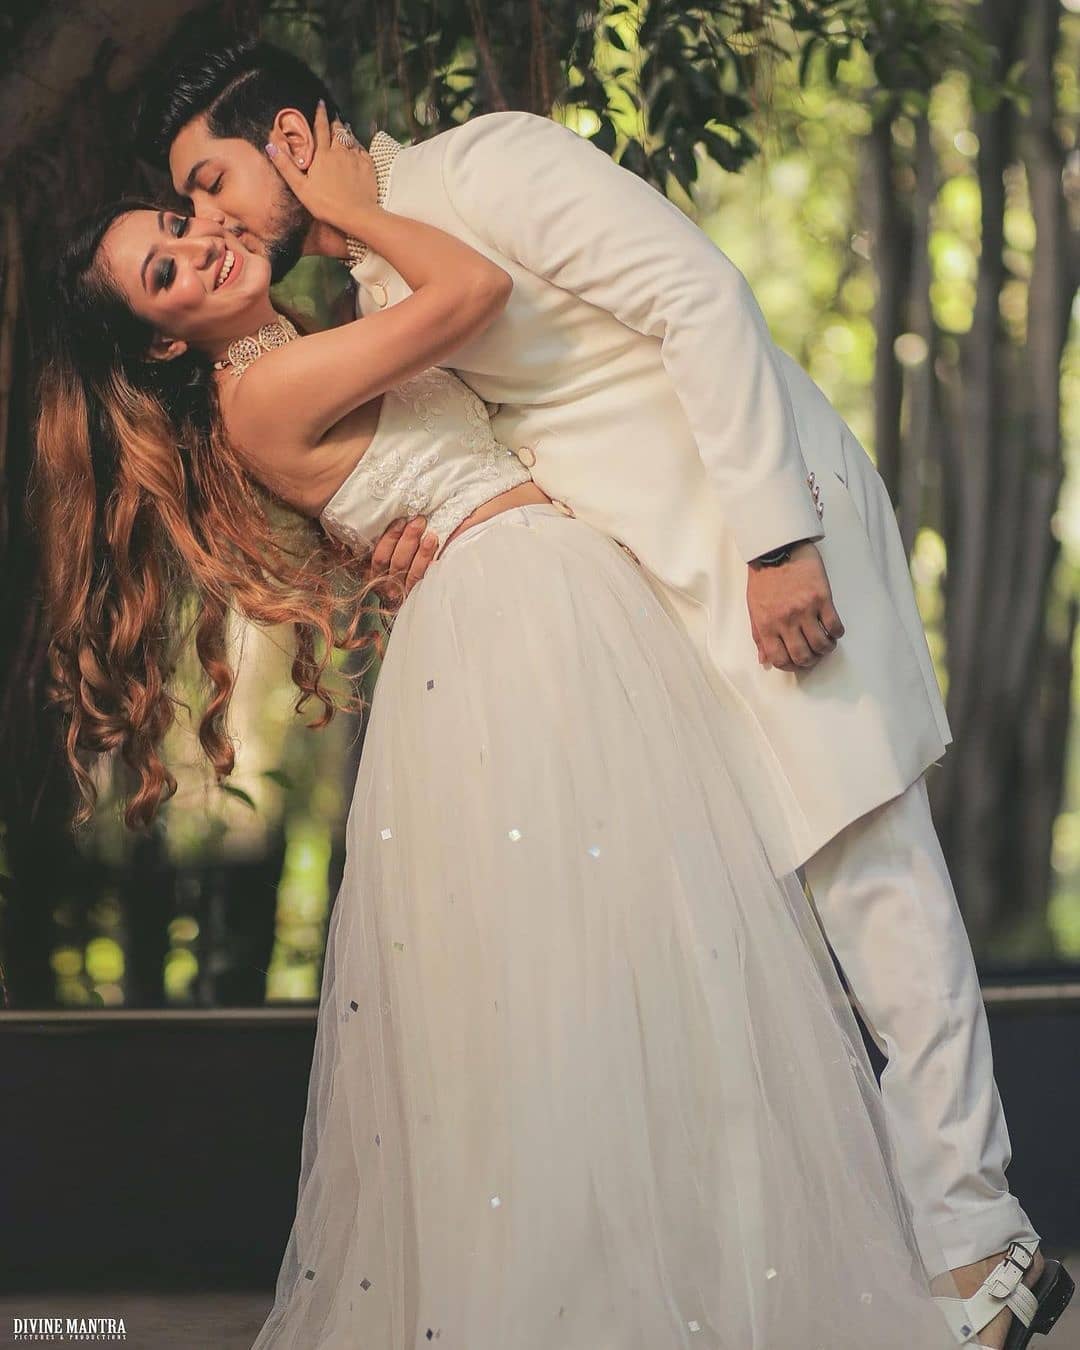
(245, 351)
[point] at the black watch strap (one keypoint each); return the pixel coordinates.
(775, 556)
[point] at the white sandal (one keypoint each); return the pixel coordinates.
(1034, 1309)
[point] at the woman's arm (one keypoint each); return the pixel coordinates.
(303, 389)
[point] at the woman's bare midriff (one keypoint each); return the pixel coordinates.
(525, 494)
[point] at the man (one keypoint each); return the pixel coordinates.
(633, 372)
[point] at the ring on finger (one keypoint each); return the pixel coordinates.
(343, 134)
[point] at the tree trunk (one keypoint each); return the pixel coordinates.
(891, 227)
(1009, 669)
(83, 56)
(924, 447)
(1054, 280)
(64, 47)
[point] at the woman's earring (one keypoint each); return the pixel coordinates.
(300, 162)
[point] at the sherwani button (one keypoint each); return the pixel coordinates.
(562, 506)
(526, 454)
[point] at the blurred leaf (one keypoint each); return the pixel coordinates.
(633, 158)
(239, 793)
(807, 56)
(615, 37)
(604, 137)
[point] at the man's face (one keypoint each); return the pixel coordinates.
(233, 184)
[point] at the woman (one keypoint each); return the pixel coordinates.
(584, 1075)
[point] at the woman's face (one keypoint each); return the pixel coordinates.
(186, 278)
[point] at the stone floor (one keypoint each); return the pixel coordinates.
(167, 1321)
(230, 1321)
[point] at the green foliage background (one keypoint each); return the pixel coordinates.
(761, 120)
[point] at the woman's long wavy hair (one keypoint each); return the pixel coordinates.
(142, 507)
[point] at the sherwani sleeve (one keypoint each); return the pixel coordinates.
(561, 208)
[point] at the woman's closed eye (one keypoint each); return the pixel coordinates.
(166, 269)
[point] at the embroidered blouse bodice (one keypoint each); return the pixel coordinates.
(433, 454)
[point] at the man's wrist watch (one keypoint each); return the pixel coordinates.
(774, 557)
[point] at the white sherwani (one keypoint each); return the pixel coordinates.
(636, 375)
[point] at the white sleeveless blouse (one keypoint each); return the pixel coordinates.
(434, 453)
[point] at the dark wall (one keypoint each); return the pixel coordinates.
(164, 1151)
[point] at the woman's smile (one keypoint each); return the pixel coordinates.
(232, 264)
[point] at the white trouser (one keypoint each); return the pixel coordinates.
(884, 898)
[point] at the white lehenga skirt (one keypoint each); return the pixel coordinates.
(584, 1075)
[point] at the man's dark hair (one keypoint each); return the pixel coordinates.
(240, 89)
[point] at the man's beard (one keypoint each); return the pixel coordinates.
(284, 241)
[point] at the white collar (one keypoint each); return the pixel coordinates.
(383, 151)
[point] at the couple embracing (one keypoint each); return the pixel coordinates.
(585, 1076)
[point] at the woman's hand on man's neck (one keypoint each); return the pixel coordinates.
(324, 241)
